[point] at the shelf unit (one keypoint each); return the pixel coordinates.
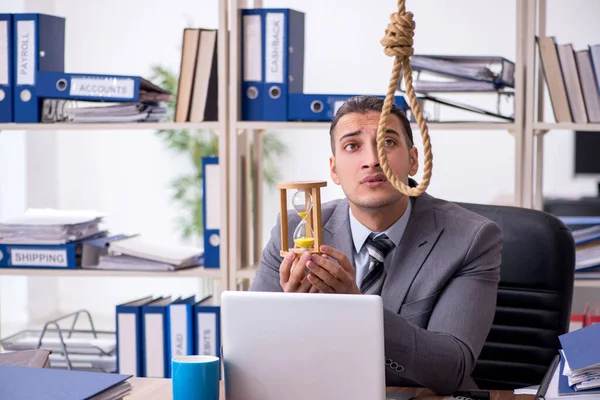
(243, 268)
(219, 276)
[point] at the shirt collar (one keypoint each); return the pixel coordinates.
(360, 233)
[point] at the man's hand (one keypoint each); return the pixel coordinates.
(329, 276)
(292, 274)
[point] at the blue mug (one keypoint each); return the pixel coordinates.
(195, 377)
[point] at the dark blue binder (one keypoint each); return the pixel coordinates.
(252, 76)
(283, 60)
(580, 347)
(211, 203)
(6, 76)
(322, 107)
(39, 45)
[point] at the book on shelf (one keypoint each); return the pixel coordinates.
(572, 79)
(197, 93)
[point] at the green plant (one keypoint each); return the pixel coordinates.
(196, 144)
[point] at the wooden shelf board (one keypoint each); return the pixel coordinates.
(109, 126)
(198, 272)
(566, 126)
(465, 126)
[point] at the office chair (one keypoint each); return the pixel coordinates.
(534, 297)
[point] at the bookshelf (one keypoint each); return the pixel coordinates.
(243, 266)
(217, 277)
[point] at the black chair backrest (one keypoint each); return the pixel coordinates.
(534, 297)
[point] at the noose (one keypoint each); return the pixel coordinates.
(398, 43)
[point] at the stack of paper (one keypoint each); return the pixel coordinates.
(580, 361)
(49, 226)
(60, 110)
(140, 253)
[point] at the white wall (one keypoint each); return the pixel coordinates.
(126, 174)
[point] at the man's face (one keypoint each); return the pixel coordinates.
(355, 165)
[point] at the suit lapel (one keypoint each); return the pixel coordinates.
(417, 241)
(337, 233)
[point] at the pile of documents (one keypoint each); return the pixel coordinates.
(463, 74)
(136, 252)
(59, 110)
(586, 235)
(575, 373)
(50, 226)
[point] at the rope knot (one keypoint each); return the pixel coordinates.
(398, 40)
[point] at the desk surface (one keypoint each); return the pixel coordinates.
(160, 389)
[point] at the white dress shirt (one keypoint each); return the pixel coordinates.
(360, 233)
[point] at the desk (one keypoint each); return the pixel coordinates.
(160, 389)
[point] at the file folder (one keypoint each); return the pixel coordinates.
(53, 256)
(322, 107)
(130, 338)
(180, 318)
(6, 68)
(93, 87)
(283, 60)
(252, 65)
(155, 342)
(38, 45)
(211, 208)
(207, 321)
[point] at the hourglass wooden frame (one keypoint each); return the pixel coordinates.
(313, 217)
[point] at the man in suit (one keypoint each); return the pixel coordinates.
(435, 265)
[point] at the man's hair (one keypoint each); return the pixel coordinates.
(365, 104)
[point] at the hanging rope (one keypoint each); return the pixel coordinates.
(398, 43)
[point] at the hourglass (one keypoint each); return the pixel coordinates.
(306, 201)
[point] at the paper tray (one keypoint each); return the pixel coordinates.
(78, 342)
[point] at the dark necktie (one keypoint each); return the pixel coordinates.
(378, 249)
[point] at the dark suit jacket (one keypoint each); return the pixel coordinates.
(439, 295)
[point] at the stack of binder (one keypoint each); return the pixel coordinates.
(48, 238)
(34, 86)
(272, 85)
(152, 330)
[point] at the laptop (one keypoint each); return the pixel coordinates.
(299, 346)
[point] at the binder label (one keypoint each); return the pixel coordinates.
(4, 53)
(207, 334)
(26, 52)
(102, 87)
(274, 47)
(39, 258)
(252, 48)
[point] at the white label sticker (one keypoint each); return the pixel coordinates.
(252, 48)
(274, 53)
(4, 53)
(207, 334)
(212, 177)
(336, 106)
(39, 258)
(26, 53)
(102, 87)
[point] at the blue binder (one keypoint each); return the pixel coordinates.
(130, 338)
(207, 327)
(39, 45)
(180, 326)
(6, 69)
(322, 107)
(252, 88)
(155, 341)
(47, 256)
(283, 60)
(211, 203)
(89, 87)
